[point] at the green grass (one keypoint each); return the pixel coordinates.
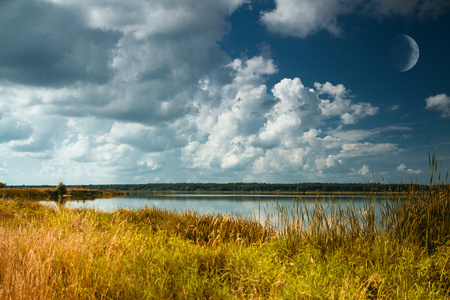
(48, 253)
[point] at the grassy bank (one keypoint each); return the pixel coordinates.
(39, 194)
(47, 253)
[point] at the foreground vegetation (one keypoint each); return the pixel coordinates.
(48, 253)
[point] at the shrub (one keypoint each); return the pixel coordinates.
(61, 190)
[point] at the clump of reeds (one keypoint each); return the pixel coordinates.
(206, 229)
(421, 215)
(413, 222)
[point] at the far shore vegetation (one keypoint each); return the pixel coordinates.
(247, 188)
(61, 253)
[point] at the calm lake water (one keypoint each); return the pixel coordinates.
(255, 206)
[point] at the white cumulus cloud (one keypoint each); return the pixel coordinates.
(364, 170)
(340, 105)
(267, 135)
(402, 168)
(301, 18)
(441, 103)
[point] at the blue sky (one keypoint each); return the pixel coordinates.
(140, 91)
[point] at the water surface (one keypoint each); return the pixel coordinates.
(255, 206)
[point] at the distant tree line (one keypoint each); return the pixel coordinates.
(257, 187)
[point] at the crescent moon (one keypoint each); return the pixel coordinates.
(403, 53)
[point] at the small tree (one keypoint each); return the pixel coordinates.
(2, 185)
(61, 190)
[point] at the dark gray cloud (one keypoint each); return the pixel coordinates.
(45, 44)
(133, 61)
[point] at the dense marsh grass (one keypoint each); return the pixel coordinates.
(325, 252)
